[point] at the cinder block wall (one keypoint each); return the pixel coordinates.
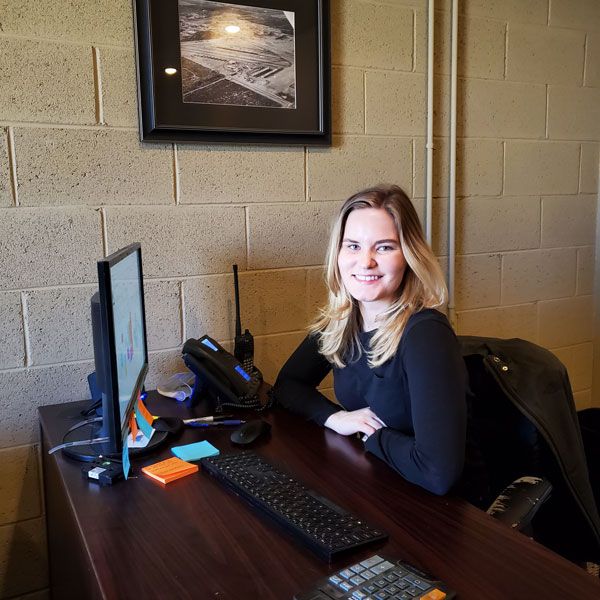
(75, 184)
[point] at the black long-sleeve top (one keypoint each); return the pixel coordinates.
(420, 395)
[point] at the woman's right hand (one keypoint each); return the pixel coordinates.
(363, 420)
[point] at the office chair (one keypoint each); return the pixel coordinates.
(525, 459)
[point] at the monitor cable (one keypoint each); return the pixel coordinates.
(100, 440)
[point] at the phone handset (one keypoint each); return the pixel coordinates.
(220, 373)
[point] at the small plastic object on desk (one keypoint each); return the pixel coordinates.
(195, 451)
(103, 471)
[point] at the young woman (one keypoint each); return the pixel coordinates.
(398, 371)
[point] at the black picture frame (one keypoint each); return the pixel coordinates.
(234, 113)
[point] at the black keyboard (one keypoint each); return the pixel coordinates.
(322, 526)
(378, 578)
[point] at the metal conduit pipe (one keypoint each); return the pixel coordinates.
(429, 143)
(452, 169)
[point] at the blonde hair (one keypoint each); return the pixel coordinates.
(422, 286)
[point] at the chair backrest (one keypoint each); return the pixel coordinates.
(503, 444)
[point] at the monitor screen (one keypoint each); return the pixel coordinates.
(128, 329)
(122, 335)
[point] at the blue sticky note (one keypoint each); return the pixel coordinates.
(125, 454)
(146, 428)
(195, 451)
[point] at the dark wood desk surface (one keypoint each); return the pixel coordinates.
(193, 539)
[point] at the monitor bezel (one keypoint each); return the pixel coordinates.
(111, 411)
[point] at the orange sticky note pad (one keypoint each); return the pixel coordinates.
(434, 595)
(133, 426)
(169, 470)
(144, 411)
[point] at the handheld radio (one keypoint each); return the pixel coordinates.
(243, 348)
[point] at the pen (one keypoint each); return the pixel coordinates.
(193, 423)
(208, 419)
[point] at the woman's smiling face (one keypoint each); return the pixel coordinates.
(370, 260)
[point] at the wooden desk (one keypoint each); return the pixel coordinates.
(193, 539)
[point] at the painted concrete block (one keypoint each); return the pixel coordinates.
(48, 246)
(502, 109)
(329, 393)
(23, 557)
(532, 11)
(592, 59)
(371, 35)
(92, 167)
(19, 484)
(503, 322)
(533, 168)
(480, 46)
(180, 240)
(543, 54)
(441, 108)
(210, 307)
(538, 275)
(355, 163)
(439, 226)
(105, 21)
(274, 301)
(585, 270)
(583, 399)
(590, 163)
(579, 362)
(495, 224)
(580, 14)
(23, 390)
(58, 68)
(396, 103)
(348, 99)
(5, 185)
(59, 321)
(60, 324)
(566, 321)
(118, 86)
(316, 292)
(163, 314)
(271, 302)
(568, 220)
(420, 49)
(272, 351)
(477, 281)
(12, 349)
(573, 113)
(293, 235)
(162, 364)
(228, 174)
(478, 167)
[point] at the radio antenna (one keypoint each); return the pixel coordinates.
(238, 322)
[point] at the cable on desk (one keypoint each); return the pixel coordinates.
(89, 442)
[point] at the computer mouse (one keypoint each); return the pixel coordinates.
(250, 431)
(168, 424)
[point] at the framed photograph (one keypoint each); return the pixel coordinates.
(253, 71)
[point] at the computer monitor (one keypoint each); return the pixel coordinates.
(120, 352)
(120, 347)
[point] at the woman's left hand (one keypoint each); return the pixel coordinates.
(363, 420)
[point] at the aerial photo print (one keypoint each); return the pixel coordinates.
(233, 54)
